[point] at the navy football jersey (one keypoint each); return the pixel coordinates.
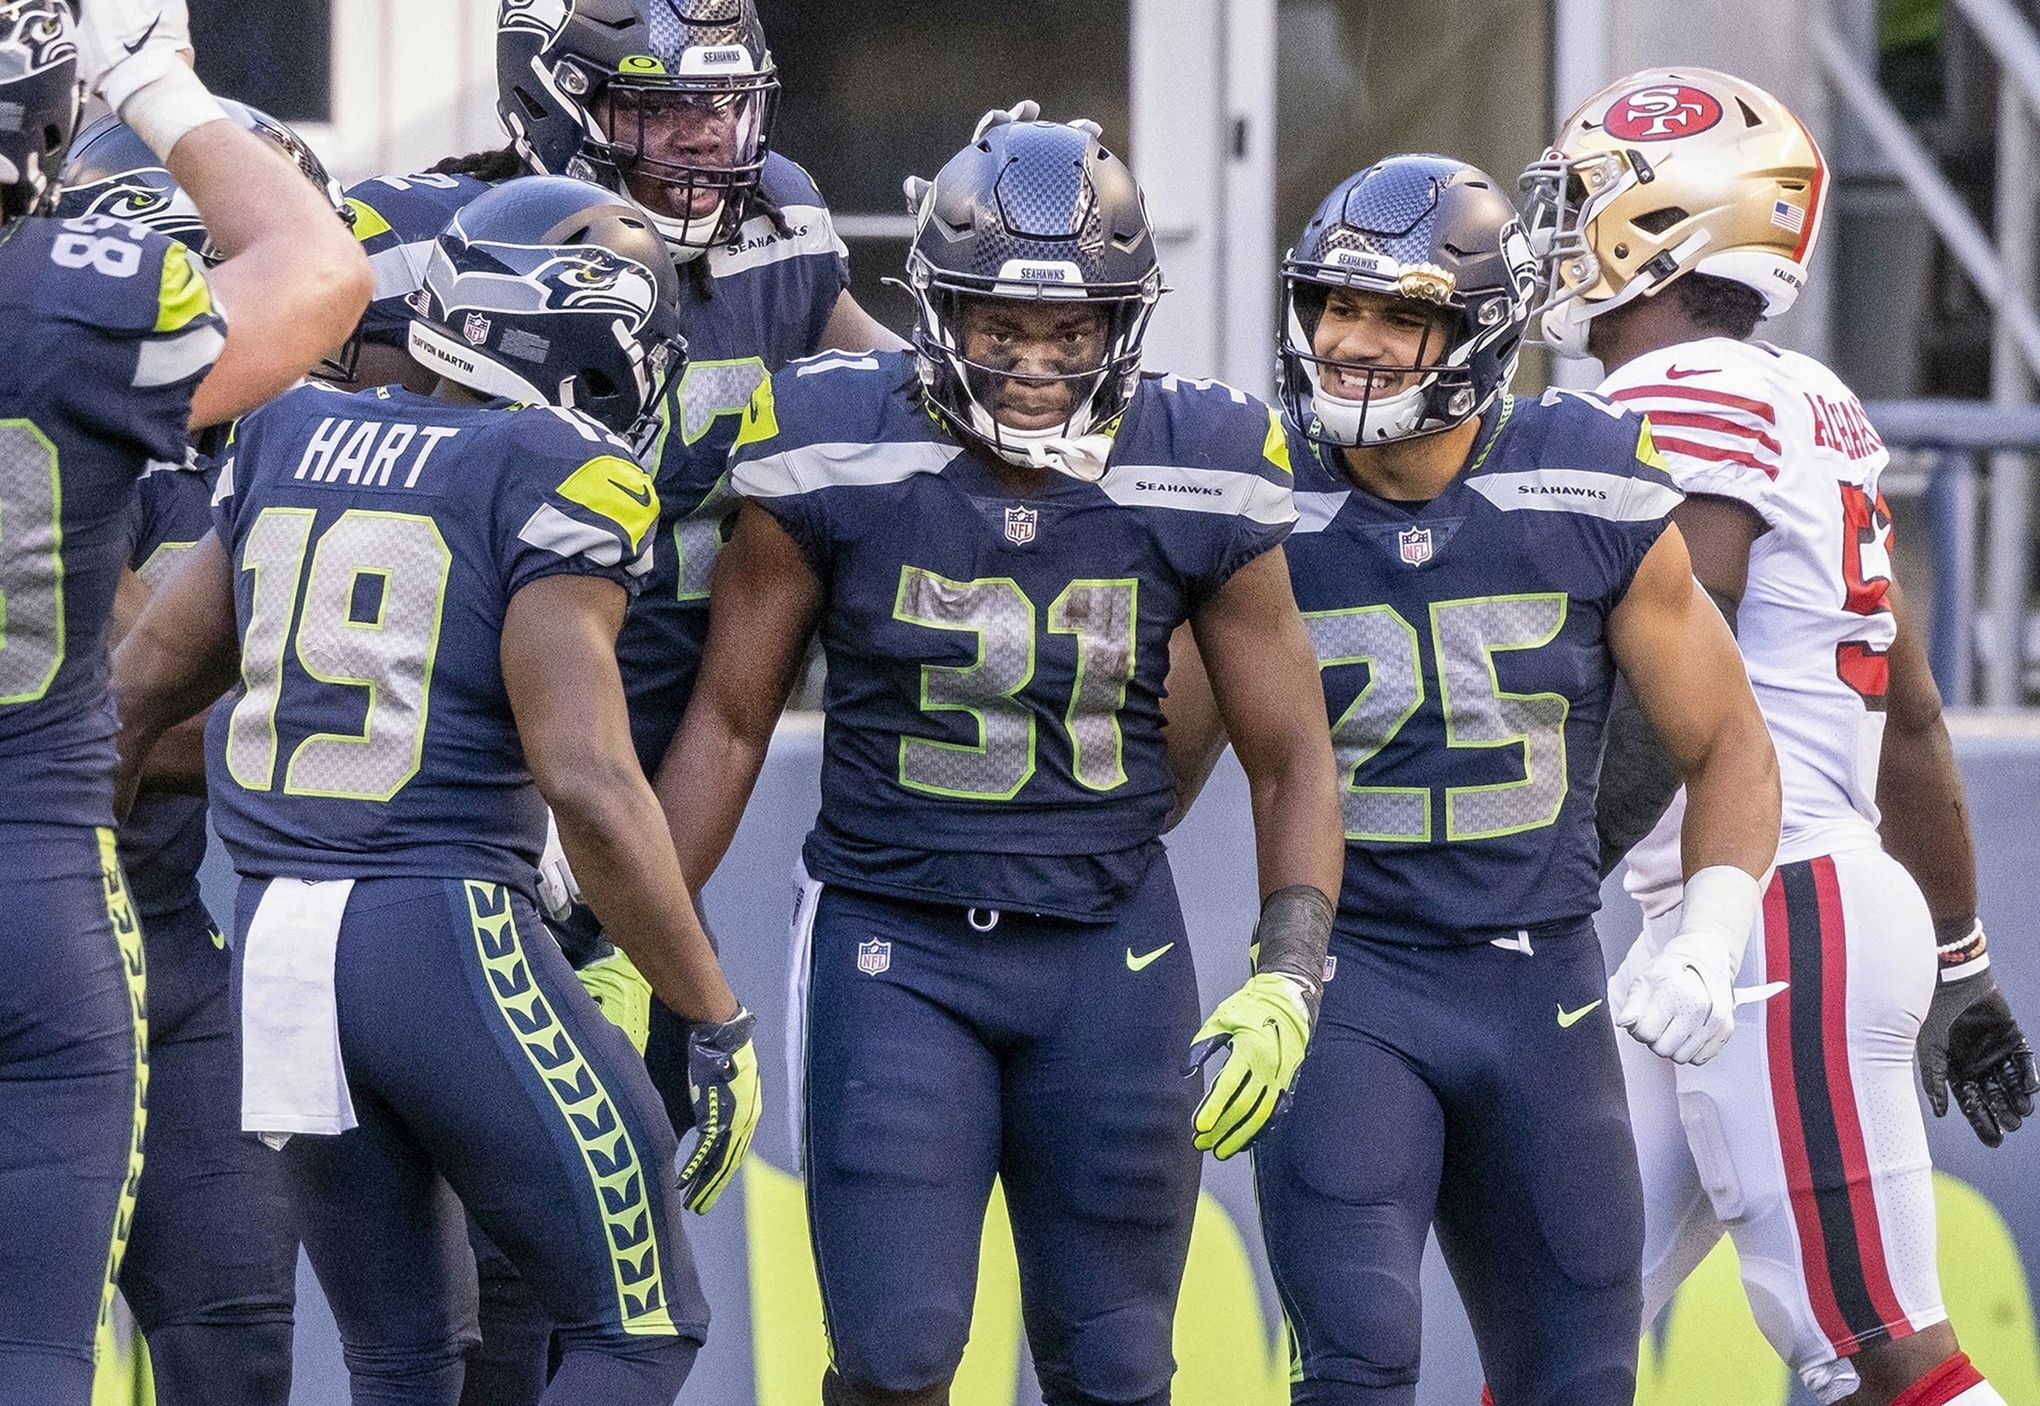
(996, 662)
(162, 841)
(1463, 648)
(377, 539)
(109, 329)
(396, 219)
(748, 308)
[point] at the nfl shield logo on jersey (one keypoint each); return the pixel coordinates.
(1020, 525)
(874, 957)
(1415, 545)
(476, 328)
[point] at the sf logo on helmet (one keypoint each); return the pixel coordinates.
(1661, 113)
(596, 280)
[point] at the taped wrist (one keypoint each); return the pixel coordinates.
(1292, 938)
(1962, 948)
(170, 102)
(1720, 910)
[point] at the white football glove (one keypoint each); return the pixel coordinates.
(1681, 1000)
(1026, 110)
(557, 891)
(133, 54)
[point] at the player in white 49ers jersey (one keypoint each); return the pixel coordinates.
(1677, 210)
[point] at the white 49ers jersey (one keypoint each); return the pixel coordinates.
(1779, 432)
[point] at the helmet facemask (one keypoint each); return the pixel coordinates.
(1432, 391)
(979, 342)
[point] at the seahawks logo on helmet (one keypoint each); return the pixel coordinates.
(46, 39)
(596, 280)
(545, 17)
(129, 197)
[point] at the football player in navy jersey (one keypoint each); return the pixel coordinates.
(996, 537)
(1474, 570)
(114, 349)
(671, 102)
(427, 592)
(211, 1267)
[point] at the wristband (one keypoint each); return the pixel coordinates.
(167, 106)
(1292, 937)
(1967, 956)
(1721, 905)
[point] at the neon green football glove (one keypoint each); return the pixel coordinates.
(622, 994)
(722, 1084)
(1265, 1027)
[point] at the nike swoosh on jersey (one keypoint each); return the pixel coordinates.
(1680, 373)
(641, 496)
(1134, 964)
(136, 47)
(1568, 1019)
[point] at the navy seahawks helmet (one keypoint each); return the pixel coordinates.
(1430, 229)
(39, 97)
(111, 171)
(669, 101)
(1041, 212)
(550, 289)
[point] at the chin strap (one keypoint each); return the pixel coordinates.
(1082, 457)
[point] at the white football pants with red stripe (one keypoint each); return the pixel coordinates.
(1804, 1138)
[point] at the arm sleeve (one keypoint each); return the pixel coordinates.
(1265, 513)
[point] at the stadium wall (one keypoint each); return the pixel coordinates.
(766, 1345)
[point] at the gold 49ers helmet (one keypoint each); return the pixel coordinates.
(1667, 172)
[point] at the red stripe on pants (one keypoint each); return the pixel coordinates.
(1791, 1134)
(1834, 951)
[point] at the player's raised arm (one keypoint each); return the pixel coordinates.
(294, 281)
(1677, 653)
(1970, 1039)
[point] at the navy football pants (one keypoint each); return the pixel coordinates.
(72, 1069)
(211, 1267)
(483, 1076)
(1037, 1053)
(1441, 1085)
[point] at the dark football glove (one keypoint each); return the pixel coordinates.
(722, 1083)
(1971, 1043)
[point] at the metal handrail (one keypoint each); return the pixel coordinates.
(1938, 199)
(1971, 425)
(2008, 34)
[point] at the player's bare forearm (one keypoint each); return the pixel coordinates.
(559, 667)
(763, 602)
(1926, 816)
(851, 329)
(1677, 653)
(1193, 734)
(295, 282)
(1264, 679)
(177, 657)
(176, 764)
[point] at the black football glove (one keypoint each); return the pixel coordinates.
(1971, 1042)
